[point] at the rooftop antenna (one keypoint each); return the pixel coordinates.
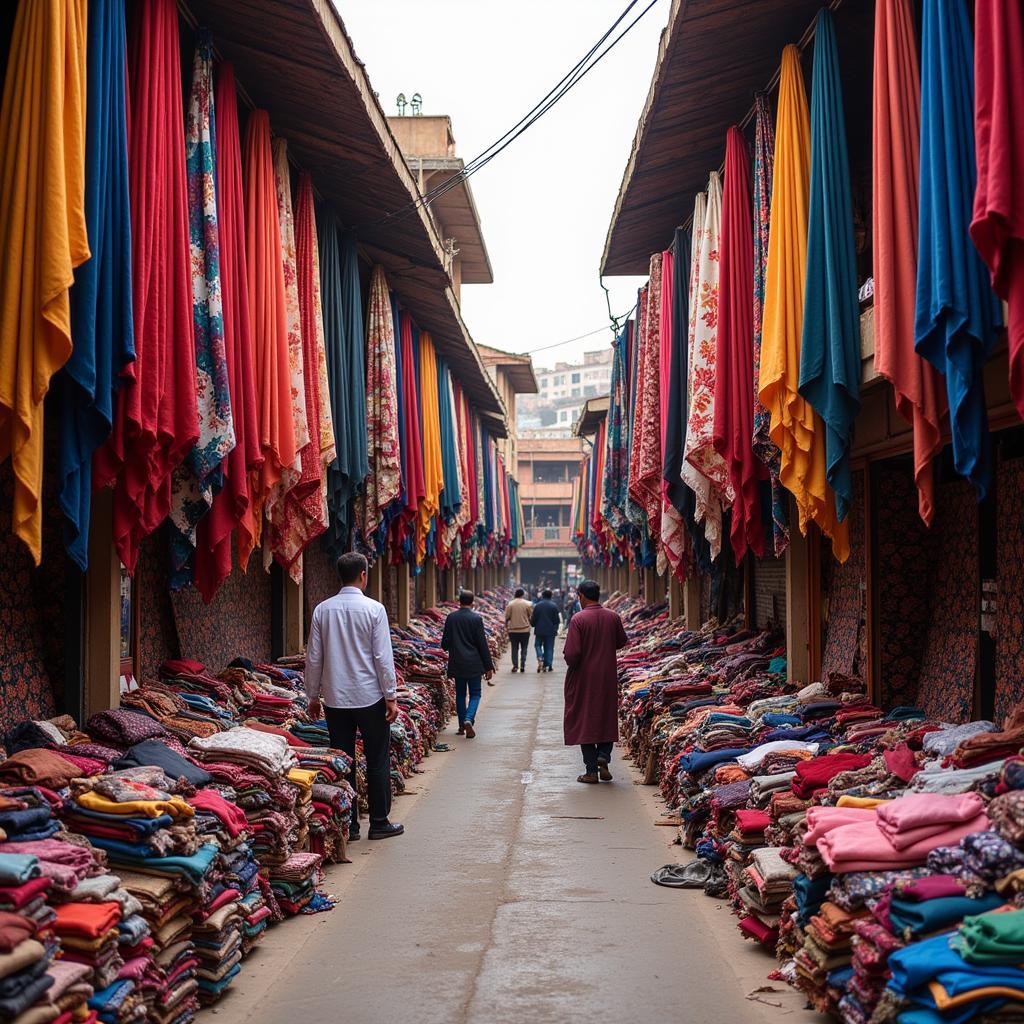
(402, 104)
(417, 105)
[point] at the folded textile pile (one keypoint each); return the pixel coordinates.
(88, 934)
(295, 885)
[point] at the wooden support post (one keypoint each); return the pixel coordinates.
(675, 598)
(375, 581)
(622, 579)
(634, 581)
(429, 583)
(798, 626)
(103, 609)
(650, 586)
(404, 595)
(294, 616)
(691, 602)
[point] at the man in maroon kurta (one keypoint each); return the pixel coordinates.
(591, 684)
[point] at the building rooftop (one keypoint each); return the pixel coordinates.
(519, 368)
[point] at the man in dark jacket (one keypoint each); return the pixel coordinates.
(545, 621)
(469, 658)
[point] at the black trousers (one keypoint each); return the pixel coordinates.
(592, 751)
(520, 641)
(375, 730)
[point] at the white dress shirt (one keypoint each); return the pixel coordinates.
(349, 660)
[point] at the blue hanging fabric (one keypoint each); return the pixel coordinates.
(101, 298)
(957, 312)
(830, 344)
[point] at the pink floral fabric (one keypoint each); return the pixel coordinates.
(704, 470)
(384, 483)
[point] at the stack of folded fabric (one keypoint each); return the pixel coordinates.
(768, 881)
(295, 885)
(63, 862)
(23, 965)
(88, 935)
(217, 934)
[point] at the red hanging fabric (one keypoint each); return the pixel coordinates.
(156, 421)
(734, 352)
(232, 504)
(997, 227)
(920, 393)
(404, 524)
(269, 322)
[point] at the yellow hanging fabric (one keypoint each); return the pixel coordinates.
(433, 472)
(795, 428)
(42, 232)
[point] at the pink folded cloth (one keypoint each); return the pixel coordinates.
(864, 847)
(822, 820)
(914, 819)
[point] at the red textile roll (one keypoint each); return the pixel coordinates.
(232, 505)
(269, 323)
(997, 227)
(919, 391)
(734, 378)
(156, 421)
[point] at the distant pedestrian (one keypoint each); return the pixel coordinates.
(469, 658)
(545, 620)
(591, 684)
(569, 608)
(351, 665)
(517, 625)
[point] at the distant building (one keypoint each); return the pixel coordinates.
(561, 391)
(548, 466)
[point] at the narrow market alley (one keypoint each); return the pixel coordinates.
(516, 894)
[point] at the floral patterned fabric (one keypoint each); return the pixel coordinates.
(1009, 669)
(645, 398)
(193, 482)
(295, 513)
(384, 484)
(648, 443)
(616, 463)
(764, 447)
(845, 635)
(704, 470)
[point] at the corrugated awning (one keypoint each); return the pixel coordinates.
(714, 55)
(294, 59)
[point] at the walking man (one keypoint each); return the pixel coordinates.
(517, 625)
(351, 666)
(545, 620)
(469, 658)
(591, 684)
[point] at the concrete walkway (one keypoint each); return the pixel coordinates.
(517, 896)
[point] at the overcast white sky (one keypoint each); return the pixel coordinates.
(545, 203)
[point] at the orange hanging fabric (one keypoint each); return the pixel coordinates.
(44, 236)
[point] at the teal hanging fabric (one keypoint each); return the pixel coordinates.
(101, 298)
(957, 312)
(830, 345)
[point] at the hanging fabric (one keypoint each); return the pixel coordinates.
(413, 448)
(830, 344)
(42, 209)
(704, 470)
(957, 314)
(672, 552)
(296, 518)
(734, 412)
(384, 482)
(232, 505)
(156, 422)
(430, 428)
(764, 448)
(918, 388)
(997, 226)
(268, 311)
(795, 427)
(648, 490)
(616, 462)
(101, 299)
(193, 482)
(634, 504)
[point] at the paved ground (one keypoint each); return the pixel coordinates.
(517, 896)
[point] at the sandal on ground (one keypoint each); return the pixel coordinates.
(470, 731)
(602, 770)
(589, 778)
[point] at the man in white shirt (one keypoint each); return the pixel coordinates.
(351, 666)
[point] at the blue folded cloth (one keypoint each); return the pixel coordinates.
(777, 718)
(142, 826)
(17, 868)
(44, 832)
(922, 917)
(700, 761)
(31, 819)
(216, 987)
(193, 868)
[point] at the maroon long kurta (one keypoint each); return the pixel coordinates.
(591, 684)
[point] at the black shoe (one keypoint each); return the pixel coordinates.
(514, 670)
(385, 830)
